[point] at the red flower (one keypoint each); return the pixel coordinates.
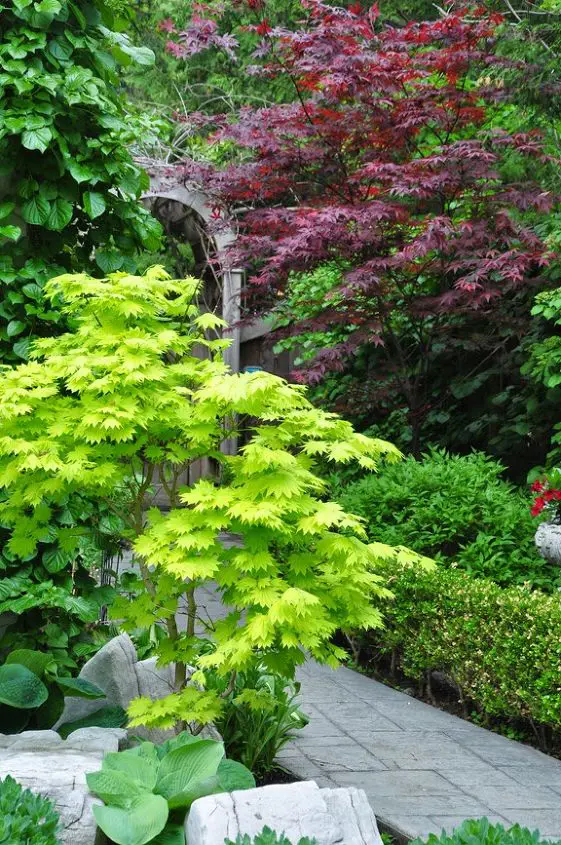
(263, 28)
(537, 487)
(538, 507)
(167, 25)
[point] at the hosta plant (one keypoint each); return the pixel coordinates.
(26, 818)
(147, 790)
(32, 693)
(122, 408)
(482, 832)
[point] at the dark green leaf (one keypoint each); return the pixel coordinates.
(19, 687)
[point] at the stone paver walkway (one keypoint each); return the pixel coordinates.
(422, 769)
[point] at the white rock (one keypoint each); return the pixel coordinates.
(43, 762)
(331, 816)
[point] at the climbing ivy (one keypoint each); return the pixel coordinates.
(69, 188)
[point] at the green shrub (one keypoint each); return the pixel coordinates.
(482, 832)
(268, 837)
(457, 509)
(259, 717)
(26, 818)
(147, 790)
(500, 646)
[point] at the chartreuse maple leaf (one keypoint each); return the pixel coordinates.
(119, 408)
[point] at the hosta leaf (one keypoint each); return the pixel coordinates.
(233, 775)
(80, 172)
(141, 769)
(105, 717)
(94, 204)
(80, 688)
(35, 661)
(172, 834)
(19, 687)
(181, 769)
(135, 825)
(115, 788)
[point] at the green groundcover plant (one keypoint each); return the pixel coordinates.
(120, 409)
(26, 818)
(148, 789)
(268, 837)
(482, 832)
(499, 646)
(457, 510)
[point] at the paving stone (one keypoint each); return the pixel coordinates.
(548, 822)
(397, 782)
(420, 750)
(448, 823)
(549, 775)
(480, 774)
(423, 716)
(386, 806)
(501, 798)
(348, 757)
(412, 826)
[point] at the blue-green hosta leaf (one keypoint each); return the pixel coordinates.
(182, 769)
(21, 688)
(80, 688)
(105, 717)
(35, 661)
(94, 204)
(137, 824)
(37, 139)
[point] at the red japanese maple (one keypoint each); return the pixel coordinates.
(384, 161)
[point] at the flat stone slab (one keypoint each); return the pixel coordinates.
(330, 816)
(56, 768)
(423, 770)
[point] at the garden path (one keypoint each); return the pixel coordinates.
(422, 769)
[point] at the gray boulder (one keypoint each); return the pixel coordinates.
(46, 764)
(117, 670)
(331, 816)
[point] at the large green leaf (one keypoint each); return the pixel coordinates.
(51, 711)
(80, 688)
(94, 204)
(12, 233)
(19, 687)
(139, 768)
(233, 775)
(182, 769)
(105, 717)
(35, 661)
(114, 788)
(135, 825)
(37, 139)
(60, 214)
(172, 834)
(35, 211)
(56, 559)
